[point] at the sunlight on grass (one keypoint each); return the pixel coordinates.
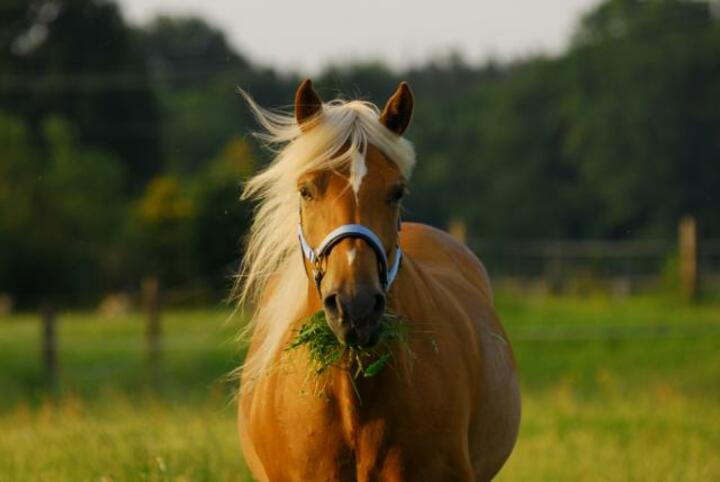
(120, 441)
(658, 435)
(613, 390)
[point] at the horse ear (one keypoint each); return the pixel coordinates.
(307, 102)
(398, 111)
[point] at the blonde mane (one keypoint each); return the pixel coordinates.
(345, 127)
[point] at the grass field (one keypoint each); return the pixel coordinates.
(612, 390)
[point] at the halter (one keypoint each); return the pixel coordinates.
(316, 256)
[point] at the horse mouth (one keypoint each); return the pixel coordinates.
(365, 338)
(356, 334)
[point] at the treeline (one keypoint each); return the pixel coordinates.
(123, 147)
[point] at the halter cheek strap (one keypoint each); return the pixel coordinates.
(315, 256)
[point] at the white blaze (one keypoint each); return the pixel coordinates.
(358, 169)
(351, 256)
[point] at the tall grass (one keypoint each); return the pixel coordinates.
(612, 390)
(120, 440)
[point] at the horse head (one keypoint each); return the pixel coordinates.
(350, 220)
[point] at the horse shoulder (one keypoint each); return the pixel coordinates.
(465, 282)
(436, 249)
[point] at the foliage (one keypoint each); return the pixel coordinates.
(186, 51)
(76, 59)
(220, 220)
(114, 440)
(195, 74)
(326, 351)
(625, 383)
(614, 138)
(59, 213)
(163, 215)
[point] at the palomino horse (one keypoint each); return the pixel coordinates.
(448, 408)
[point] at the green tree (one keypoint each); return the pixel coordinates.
(196, 74)
(162, 220)
(644, 124)
(76, 58)
(59, 214)
(221, 220)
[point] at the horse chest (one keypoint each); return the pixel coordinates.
(333, 437)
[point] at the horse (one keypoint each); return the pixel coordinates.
(327, 235)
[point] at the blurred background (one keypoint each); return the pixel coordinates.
(574, 146)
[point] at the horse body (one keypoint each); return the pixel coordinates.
(448, 405)
(452, 416)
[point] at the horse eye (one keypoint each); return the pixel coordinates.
(305, 193)
(396, 194)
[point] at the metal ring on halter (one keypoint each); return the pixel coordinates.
(387, 274)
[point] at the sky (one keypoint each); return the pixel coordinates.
(304, 36)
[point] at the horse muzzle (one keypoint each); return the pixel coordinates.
(355, 318)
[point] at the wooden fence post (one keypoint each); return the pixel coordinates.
(49, 347)
(150, 294)
(688, 251)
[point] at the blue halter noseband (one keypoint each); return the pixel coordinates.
(316, 256)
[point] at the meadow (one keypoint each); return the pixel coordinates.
(613, 389)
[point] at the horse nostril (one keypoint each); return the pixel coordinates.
(331, 305)
(379, 303)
